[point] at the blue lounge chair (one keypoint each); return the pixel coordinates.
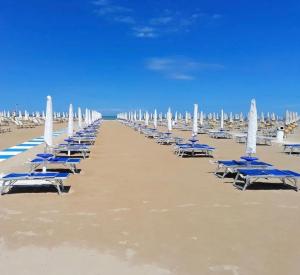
(249, 176)
(88, 140)
(70, 163)
(52, 178)
(69, 150)
(226, 167)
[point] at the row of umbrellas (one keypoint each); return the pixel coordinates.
(290, 117)
(89, 117)
(252, 123)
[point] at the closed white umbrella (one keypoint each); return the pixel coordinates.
(146, 119)
(195, 120)
(155, 119)
(252, 129)
(273, 117)
(70, 121)
(222, 119)
(231, 117)
(169, 119)
(86, 117)
(287, 117)
(201, 118)
(186, 118)
(262, 117)
(79, 118)
(48, 129)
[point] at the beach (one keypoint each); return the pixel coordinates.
(136, 208)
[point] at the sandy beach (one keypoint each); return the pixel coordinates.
(136, 208)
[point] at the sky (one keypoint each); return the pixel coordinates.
(119, 55)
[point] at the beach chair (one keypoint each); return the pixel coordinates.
(71, 150)
(250, 176)
(264, 140)
(193, 150)
(90, 140)
(53, 178)
(70, 163)
(291, 148)
(225, 167)
(167, 139)
(219, 134)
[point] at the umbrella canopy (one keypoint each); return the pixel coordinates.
(70, 121)
(48, 130)
(252, 129)
(195, 120)
(155, 119)
(79, 118)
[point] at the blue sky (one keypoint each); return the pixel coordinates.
(115, 55)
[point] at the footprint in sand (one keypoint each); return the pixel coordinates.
(129, 253)
(288, 206)
(186, 205)
(251, 203)
(26, 233)
(120, 209)
(49, 211)
(158, 210)
(233, 269)
(221, 205)
(45, 220)
(10, 211)
(85, 214)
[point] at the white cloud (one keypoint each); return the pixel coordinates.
(144, 32)
(101, 2)
(161, 20)
(181, 76)
(125, 19)
(167, 22)
(180, 68)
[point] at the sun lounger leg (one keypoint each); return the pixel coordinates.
(236, 178)
(2, 187)
(247, 183)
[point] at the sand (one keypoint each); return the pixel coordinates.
(136, 208)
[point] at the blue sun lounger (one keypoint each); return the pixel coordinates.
(231, 166)
(250, 176)
(88, 140)
(82, 150)
(51, 178)
(189, 149)
(70, 163)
